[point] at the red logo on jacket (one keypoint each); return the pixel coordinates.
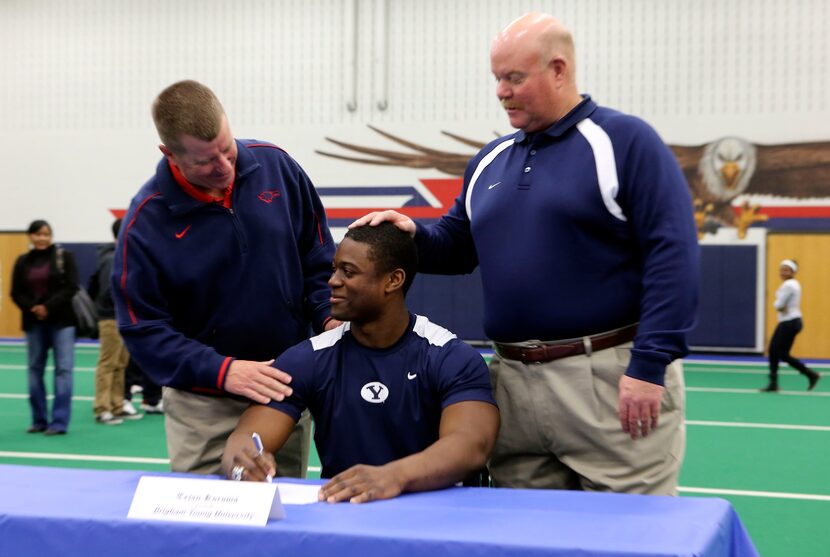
(268, 196)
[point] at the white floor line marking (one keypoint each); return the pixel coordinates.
(724, 370)
(753, 391)
(13, 367)
(98, 458)
(760, 425)
(48, 397)
(85, 457)
(21, 347)
(771, 494)
(759, 362)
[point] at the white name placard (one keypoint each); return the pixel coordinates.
(213, 501)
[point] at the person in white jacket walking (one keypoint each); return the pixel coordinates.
(788, 306)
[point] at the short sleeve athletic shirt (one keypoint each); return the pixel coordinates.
(373, 406)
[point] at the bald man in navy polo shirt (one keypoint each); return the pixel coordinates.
(582, 225)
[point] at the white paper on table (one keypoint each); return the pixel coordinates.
(298, 494)
(183, 499)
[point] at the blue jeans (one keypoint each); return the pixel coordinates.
(61, 340)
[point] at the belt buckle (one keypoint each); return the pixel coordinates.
(524, 354)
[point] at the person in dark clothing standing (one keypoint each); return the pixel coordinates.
(109, 407)
(788, 305)
(43, 283)
(134, 376)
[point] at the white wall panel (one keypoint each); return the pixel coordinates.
(98, 63)
(95, 63)
(79, 77)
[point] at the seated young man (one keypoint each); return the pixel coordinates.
(399, 404)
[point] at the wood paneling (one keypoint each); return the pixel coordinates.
(812, 252)
(12, 244)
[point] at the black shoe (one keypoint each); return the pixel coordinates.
(771, 388)
(813, 380)
(36, 429)
(51, 432)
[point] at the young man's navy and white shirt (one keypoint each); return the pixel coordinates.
(373, 406)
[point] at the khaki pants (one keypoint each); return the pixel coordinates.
(109, 373)
(560, 427)
(198, 426)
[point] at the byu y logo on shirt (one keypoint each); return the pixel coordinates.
(374, 392)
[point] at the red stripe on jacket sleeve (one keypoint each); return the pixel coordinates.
(319, 228)
(133, 318)
(223, 369)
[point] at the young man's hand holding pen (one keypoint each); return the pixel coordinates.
(253, 464)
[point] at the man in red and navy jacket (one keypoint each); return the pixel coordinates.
(223, 265)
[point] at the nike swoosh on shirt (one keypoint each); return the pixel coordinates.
(181, 234)
(493, 185)
(411, 375)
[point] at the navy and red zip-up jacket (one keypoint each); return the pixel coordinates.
(198, 284)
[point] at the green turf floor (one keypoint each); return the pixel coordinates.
(139, 443)
(768, 454)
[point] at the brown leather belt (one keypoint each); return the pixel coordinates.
(555, 350)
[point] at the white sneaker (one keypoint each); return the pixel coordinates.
(107, 418)
(153, 409)
(135, 389)
(128, 411)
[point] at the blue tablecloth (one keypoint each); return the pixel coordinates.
(70, 512)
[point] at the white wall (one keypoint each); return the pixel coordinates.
(78, 77)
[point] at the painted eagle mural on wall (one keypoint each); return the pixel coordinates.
(716, 172)
(720, 171)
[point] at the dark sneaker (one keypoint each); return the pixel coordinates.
(51, 432)
(813, 380)
(36, 429)
(771, 388)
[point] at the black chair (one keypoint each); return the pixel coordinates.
(480, 478)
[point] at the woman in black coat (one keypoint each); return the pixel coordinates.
(44, 281)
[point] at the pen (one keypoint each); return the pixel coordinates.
(257, 443)
(259, 448)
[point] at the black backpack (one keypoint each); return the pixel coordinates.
(86, 316)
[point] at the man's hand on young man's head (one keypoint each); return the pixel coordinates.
(376, 217)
